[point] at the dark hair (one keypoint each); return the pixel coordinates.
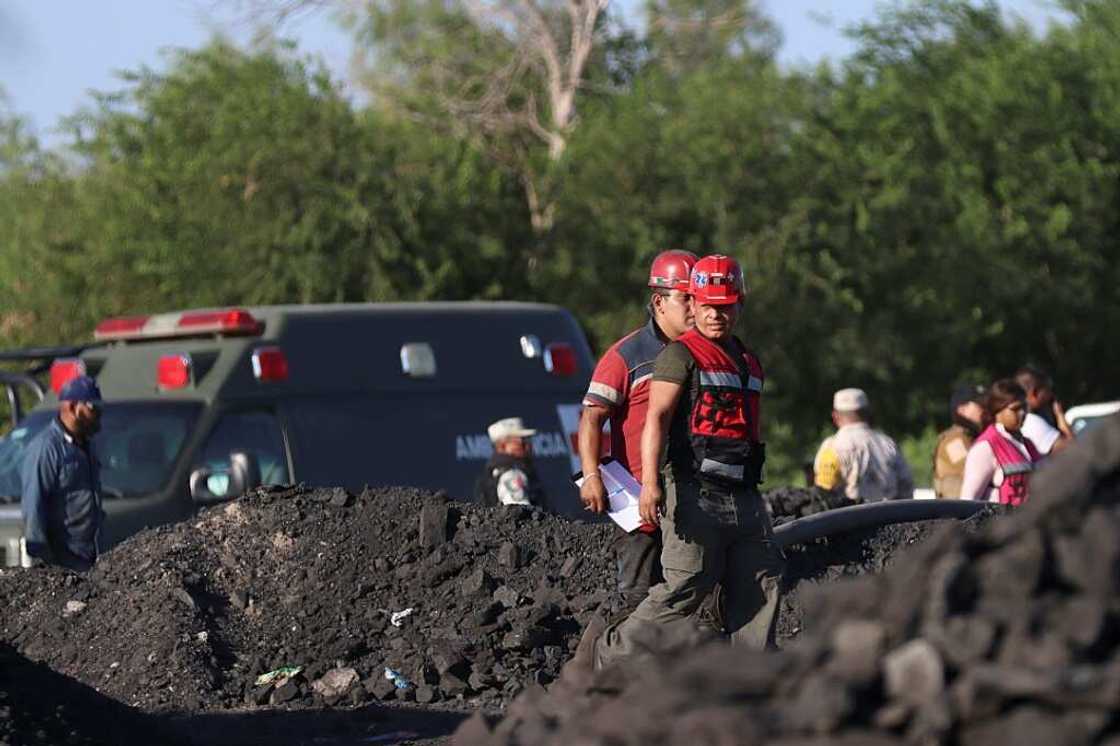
(1031, 377)
(1002, 393)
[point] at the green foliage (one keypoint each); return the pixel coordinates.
(918, 450)
(939, 208)
(242, 179)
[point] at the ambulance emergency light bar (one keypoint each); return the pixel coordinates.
(230, 321)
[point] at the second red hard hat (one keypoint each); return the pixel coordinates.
(671, 270)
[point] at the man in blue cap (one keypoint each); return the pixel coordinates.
(62, 513)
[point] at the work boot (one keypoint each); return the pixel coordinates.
(579, 669)
(711, 615)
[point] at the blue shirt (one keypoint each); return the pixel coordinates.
(61, 500)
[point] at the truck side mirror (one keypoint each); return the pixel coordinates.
(209, 486)
(244, 472)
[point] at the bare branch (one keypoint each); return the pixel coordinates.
(514, 107)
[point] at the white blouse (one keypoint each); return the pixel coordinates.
(982, 475)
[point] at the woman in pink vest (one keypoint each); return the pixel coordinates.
(1000, 462)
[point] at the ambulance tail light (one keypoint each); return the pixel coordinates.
(560, 359)
(270, 365)
(233, 321)
(174, 372)
(64, 370)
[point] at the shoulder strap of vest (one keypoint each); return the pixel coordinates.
(690, 339)
(702, 347)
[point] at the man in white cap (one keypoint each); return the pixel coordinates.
(865, 464)
(509, 477)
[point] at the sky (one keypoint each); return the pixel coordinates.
(54, 52)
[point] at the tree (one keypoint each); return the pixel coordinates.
(955, 181)
(505, 73)
(244, 178)
(33, 183)
(686, 35)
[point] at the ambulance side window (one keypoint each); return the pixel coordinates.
(256, 431)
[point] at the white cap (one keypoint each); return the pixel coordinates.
(510, 427)
(850, 400)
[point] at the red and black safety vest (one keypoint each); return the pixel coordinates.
(724, 405)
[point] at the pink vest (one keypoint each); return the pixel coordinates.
(1016, 469)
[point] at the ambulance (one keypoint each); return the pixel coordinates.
(202, 405)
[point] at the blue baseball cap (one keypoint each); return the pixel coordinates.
(81, 388)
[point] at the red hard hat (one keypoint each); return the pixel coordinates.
(670, 270)
(716, 280)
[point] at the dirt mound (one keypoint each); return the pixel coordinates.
(1006, 636)
(456, 599)
(789, 503)
(39, 707)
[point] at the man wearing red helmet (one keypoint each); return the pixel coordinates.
(704, 401)
(619, 392)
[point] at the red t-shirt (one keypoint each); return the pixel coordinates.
(621, 384)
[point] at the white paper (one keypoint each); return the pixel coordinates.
(622, 495)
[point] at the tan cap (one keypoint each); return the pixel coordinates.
(510, 427)
(850, 400)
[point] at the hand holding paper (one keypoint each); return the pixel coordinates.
(622, 495)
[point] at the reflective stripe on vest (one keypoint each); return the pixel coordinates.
(721, 379)
(720, 469)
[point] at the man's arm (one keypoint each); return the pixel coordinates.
(1066, 437)
(40, 474)
(609, 388)
(663, 399)
(592, 492)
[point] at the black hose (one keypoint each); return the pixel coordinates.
(873, 515)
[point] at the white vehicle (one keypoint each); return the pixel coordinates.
(1085, 416)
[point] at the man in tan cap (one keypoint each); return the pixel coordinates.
(510, 477)
(863, 463)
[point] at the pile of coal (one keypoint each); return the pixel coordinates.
(789, 503)
(319, 597)
(39, 707)
(851, 554)
(1009, 635)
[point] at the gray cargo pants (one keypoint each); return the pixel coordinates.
(710, 535)
(638, 565)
